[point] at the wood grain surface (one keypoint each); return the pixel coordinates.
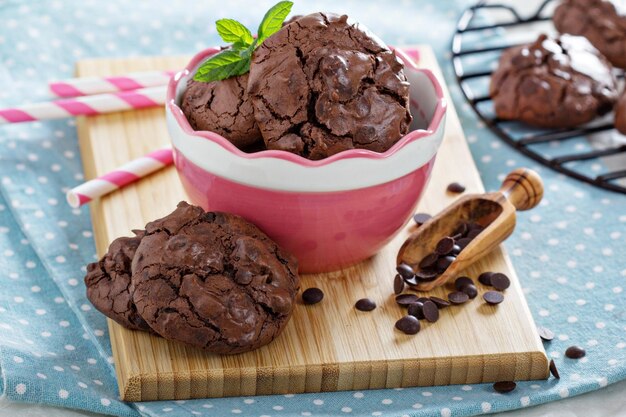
(325, 347)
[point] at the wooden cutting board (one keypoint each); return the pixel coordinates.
(325, 347)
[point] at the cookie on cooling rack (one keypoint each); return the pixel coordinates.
(556, 82)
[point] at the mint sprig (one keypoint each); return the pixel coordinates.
(236, 59)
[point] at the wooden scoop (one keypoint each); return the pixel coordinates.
(521, 190)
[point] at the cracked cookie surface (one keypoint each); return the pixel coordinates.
(213, 280)
(602, 22)
(222, 107)
(553, 83)
(108, 283)
(322, 85)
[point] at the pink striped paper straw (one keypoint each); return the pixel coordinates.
(85, 106)
(87, 86)
(124, 175)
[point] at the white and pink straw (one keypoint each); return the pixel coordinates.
(85, 106)
(87, 86)
(122, 176)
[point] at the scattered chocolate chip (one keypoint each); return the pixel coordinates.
(428, 261)
(444, 262)
(485, 278)
(365, 304)
(470, 290)
(426, 275)
(405, 271)
(461, 282)
(575, 352)
(416, 310)
(408, 325)
(463, 242)
(458, 297)
(421, 218)
(545, 333)
(504, 386)
(444, 246)
(440, 302)
(455, 187)
(312, 296)
(553, 370)
(422, 299)
(493, 297)
(499, 281)
(398, 284)
(430, 311)
(406, 299)
(411, 282)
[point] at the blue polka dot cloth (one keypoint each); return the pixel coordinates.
(54, 347)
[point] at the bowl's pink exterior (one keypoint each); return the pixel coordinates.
(325, 231)
(329, 213)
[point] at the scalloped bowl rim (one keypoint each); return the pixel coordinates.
(435, 122)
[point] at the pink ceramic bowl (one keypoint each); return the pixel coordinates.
(329, 213)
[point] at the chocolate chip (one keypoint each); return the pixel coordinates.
(473, 233)
(428, 261)
(455, 187)
(408, 325)
(499, 281)
(430, 311)
(458, 297)
(405, 271)
(422, 299)
(575, 352)
(504, 386)
(421, 218)
(440, 302)
(444, 246)
(553, 370)
(475, 226)
(461, 282)
(398, 284)
(463, 242)
(406, 299)
(365, 304)
(426, 275)
(411, 282)
(545, 333)
(416, 310)
(470, 290)
(485, 278)
(456, 249)
(493, 297)
(444, 262)
(312, 296)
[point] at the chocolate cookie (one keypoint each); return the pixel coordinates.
(222, 107)
(213, 280)
(602, 22)
(108, 283)
(322, 85)
(620, 114)
(560, 82)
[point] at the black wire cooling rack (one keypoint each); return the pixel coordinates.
(571, 161)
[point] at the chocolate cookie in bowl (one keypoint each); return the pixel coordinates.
(222, 107)
(602, 22)
(323, 84)
(553, 83)
(213, 280)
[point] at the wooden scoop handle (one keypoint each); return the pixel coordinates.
(523, 188)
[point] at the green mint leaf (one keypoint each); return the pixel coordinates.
(273, 20)
(226, 64)
(232, 31)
